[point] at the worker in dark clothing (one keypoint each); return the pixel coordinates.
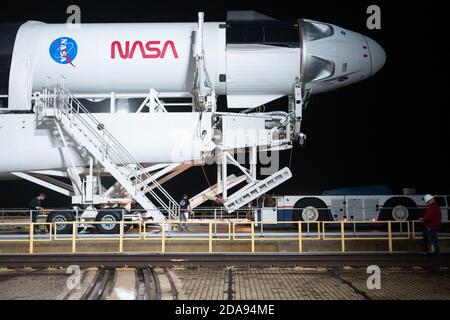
(35, 205)
(432, 224)
(185, 209)
(218, 201)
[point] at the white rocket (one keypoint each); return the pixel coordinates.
(251, 62)
(251, 58)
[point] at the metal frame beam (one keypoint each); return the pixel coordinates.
(47, 182)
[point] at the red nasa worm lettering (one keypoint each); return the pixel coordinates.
(151, 49)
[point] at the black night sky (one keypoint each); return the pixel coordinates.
(391, 129)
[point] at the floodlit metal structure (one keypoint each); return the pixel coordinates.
(252, 59)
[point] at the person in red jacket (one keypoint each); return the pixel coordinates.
(432, 224)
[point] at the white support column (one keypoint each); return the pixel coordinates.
(112, 107)
(219, 171)
(298, 100)
(89, 190)
(91, 166)
(253, 161)
(224, 175)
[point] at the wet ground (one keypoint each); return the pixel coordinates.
(235, 283)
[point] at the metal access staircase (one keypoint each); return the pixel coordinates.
(254, 190)
(59, 104)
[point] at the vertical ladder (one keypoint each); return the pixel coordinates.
(101, 144)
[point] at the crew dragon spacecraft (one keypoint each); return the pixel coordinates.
(252, 59)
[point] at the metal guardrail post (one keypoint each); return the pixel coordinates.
(74, 236)
(144, 229)
(163, 237)
(300, 244)
(210, 237)
(342, 236)
(323, 230)
(50, 231)
(413, 230)
(31, 237)
(252, 228)
(121, 237)
(319, 230)
(409, 231)
(234, 230)
(390, 235)
(215, 219)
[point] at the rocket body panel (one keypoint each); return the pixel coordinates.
(149, 137)
(260, 71)
(104, 58)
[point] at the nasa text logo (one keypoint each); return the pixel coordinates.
(64, 50)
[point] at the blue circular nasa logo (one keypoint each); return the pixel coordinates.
(64, 50)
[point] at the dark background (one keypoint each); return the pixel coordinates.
(391, 129)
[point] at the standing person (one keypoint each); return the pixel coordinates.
(432, 224)
(35, 205)
(219, 201)
(185, 209)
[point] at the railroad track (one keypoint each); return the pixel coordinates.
(149, 284)
(143, 260)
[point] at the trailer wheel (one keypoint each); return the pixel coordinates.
(110, 219)
(398, 209)
(60, 217)
(310, 209)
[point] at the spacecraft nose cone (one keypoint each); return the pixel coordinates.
(377, 55)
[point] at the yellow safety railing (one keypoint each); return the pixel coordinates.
(228, 231)
(166, 234)
(295, 226)
(120, 237)
(31, 237)
(414, 229)
(93, 236)
(30, 232)
(390, 237)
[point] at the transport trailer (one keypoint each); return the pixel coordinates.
(373, 203)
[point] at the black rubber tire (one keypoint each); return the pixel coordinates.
(113, 216)
(310, 202)
(61, 216)
(386, 214)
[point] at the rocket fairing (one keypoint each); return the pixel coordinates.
(251, 61)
